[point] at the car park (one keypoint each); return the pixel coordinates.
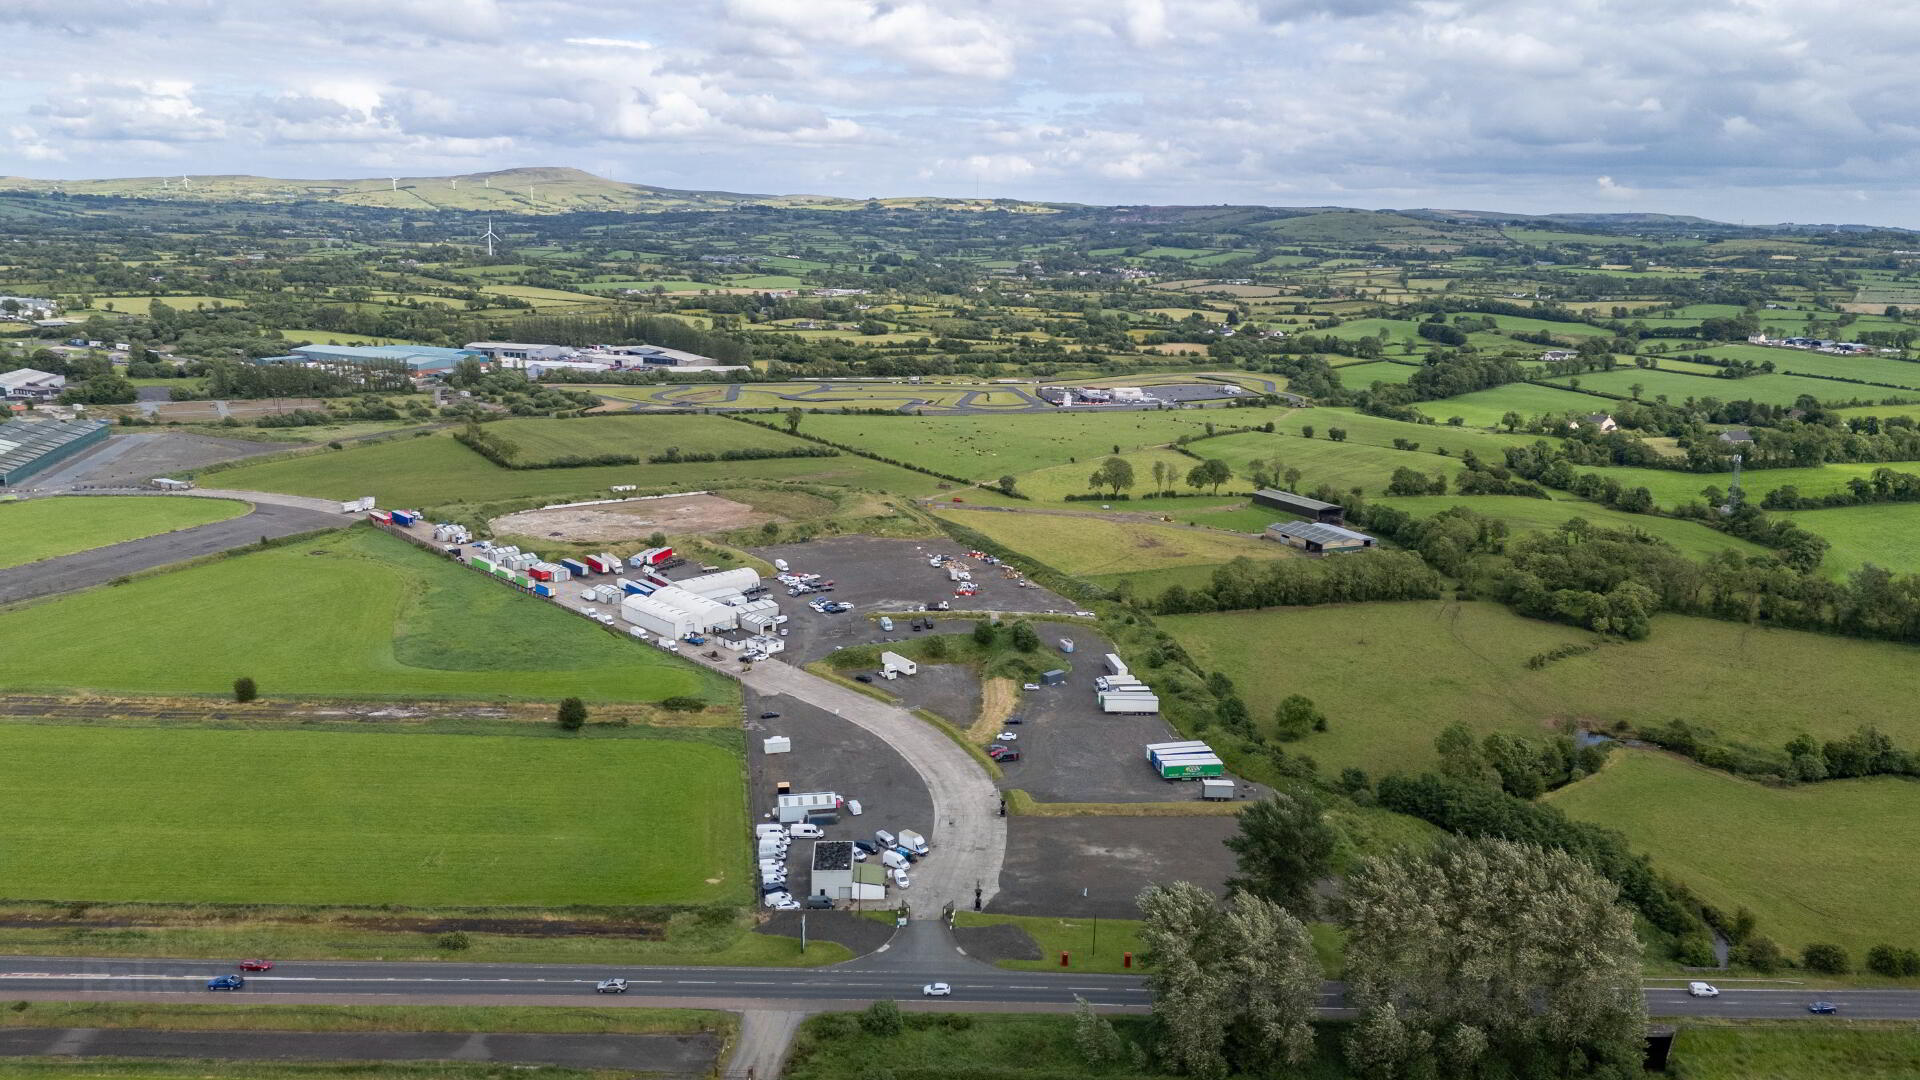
(226, 982)
(936, 990)
(1823, 1008)
(611, 986)
(1700, 989)
(256, 965)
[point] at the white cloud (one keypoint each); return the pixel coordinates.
(1763, 109)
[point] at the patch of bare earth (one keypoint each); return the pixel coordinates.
(628, 520)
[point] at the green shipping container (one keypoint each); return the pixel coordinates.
(1176, 769)
(482, 563)
(523, 581)
(502, 572)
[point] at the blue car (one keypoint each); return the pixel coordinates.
(1823, 1007)
(226, 982)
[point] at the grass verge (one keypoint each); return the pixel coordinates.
(157, 1016)
(1023, 804)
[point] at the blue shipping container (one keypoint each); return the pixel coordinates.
(543, 589)
(401, 517)
(576, 567)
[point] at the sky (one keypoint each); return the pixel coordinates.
(1738, 110)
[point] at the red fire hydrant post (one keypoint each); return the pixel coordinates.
(1063, 958)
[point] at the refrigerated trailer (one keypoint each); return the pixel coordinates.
(1129, 703)
(1191, 767)
(1115, 665)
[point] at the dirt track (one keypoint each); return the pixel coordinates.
(626, 520)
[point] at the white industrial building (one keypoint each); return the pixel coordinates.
(738, 581)
(513, 354)
(28, 384)
(657, 618)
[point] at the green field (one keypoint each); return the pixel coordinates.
(48, 528)
(1828, 862)
(353, 614)
(1052, 485)
(293, 817)
(1361, 376)
(1766, 389)
(1320, 460)
(1524, 515)
(140, 305)
(985, 447)
(541, 440)
(438, 470)
(1879, 369)
(1671, 488)
(1484, 408)
(1391, 675)
(1882, 534)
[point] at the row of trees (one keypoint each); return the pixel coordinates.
(1244, 583)
(1455, 961)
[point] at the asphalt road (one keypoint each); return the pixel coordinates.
(930, 959)
(89, 568)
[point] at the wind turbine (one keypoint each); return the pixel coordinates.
(454, 183)
(489, 236)
(396, 183)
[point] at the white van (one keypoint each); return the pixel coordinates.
(853, 807)
(800, 830)
(893, 860)
(769, 830)
(886, 838)
(1700, 989)
(780, 565)
(886, 624)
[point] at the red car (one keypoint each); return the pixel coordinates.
(256, 965)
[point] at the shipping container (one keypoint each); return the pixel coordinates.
(1191, 767)
(1137, 704)
(540, 572)
(382, 517)
(1157, 750)
(479, 563)
(575, 567)
(1216, 789)
(1115, 665)
(404, 517)
(523, 581)
(542, 589)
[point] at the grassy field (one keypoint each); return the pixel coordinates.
(1824, 862)
(354, 614)
(1671, 488)
(1524, 515)
(1879, 369)
(1116, 938)
(1767, 389)
(438, 470)
(1879, 534)
(1050, 486)
(1359, 376)
(541, 440)
(1391, 675)
(1795, 1050)
(1320, 460)
(141, 305)
(986, 447)
(1484, 408)
(292, 817)
(48, 528)
(1084, 545)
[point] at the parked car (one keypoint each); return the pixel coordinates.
(1007, 736)
(803, 831)
(1700, 989)
(1824, 1008)
(818, 903)
(997, 750)
(1030, 686)
(769, 716)
(886, 838)
(256, 965)
(863, 845)
(900, 879)
(788, 904)
(853, 807)
(1007, 753)
(611, 986)
(863, 678)
(936, 990)
(775, 899)
(226, 982)
(1016, 719)
(769, 890)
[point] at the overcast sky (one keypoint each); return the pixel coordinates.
(1755, 110)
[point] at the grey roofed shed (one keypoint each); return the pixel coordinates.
(1315, 509)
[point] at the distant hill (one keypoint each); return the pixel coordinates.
(554, 190)
(506, 191)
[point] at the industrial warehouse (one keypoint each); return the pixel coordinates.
(28, 447)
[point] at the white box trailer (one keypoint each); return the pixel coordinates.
(893, 665)
(1216, 789)
(776, 744)
(1158, 750)
(1129, 703)
(1115, 665)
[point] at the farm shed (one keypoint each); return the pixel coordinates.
(1312, 509)
(28, 446)
(1318, 539)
